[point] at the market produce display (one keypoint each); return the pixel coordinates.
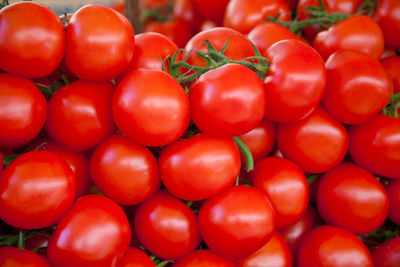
(227, 133)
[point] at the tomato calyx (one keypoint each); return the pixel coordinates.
(393, 107)
(160, 13)
(382, 235)
(246, 152)
(4, 3)
(159, 262)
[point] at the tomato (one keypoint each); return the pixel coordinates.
(177, 31)
(199, 167)
(35, 190)
(213, 10)
(150, 107)
(316, 143)
(275, 177)
(237, 222)
(375, 145)
(387, 254)
(360, 33)
(93, 232)
(100, 43)
(392, 67)
(358, 86)
(32, 39)
(295, 82)
(185, 10)
(14, 257)
(134, 257)
(388, 17)
(23, 110)
(244, 15)
(393, 189)
(331, 246)
(80, 116)
(166, 226)
(124, 171)
(267, 33)
(222, 105)
(275, 253)
(200, 258)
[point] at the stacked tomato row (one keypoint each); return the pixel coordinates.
(253, 146)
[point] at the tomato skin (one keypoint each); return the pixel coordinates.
(97, 222)
(200, 258)
(275, 253)
(100, 43)
(392, 67)
(35, 190)
(316, 143)
(124, 171)
(275, 177)
(377, 136)
(177, 31)
(14, 257)
(244, 15)
(358, 86)
(222, 105)
(387, 254)
(359, 32)
(84, 109)
(213, 10)
(388, 18)
(32, 40)
(237, 222)
(295, 82)
(331, 246)
(166, 226)
(23, 110)
(393, 189)
(134, 257)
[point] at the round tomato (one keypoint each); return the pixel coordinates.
(134, 257)
(387, 254)
(14, 257)
(388, 17)
(392, 67)
(36, 189)
(393, 189)
(200, 258)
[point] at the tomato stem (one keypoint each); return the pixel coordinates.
(21, 240)
(311, 178)
(246, 152)
(163, 263)
(8, 159)
(392, 108)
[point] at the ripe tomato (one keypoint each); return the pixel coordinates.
(199, 167)
(316, 143)
(35, 190)
(186, 11)
(237, 222)
(295, 82)
(357, 88)
(331, 246)
(222, 105)
(124, 171)
(200, 258)
(244, 15)
(23, 110)
(387, 254)
(393, 189)
(151, 108)
(275, 177)
(388, 17)
(14, 257)
(94, 232)
(166, 226)
(360, 33)
(177, 31)
(100, 43)
(392, 67)
(375, 145)
(275, 253)
(32, 39)
(213, 10)
(79, 115)
(134, 257)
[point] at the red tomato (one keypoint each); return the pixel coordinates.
(94, 232)
(316, 143)
(201, 258)
(166, 226)
(387, 254)
(360, 33)
(375, 145)
(331, 246)
(237, 222)
(23, 110)
(14, 257)
(100, 43)
(393, 189)
(151, 108)
(124, 171)
(392, 67)
(357, 88)
(244, 15)
(186, 11)
(177, 31)
(388, 17)
(35, 190)
(199, 167)
(353, 199)
(32, 39)
(80, 116)
(213, 10)
(275, 177)
(295, 82)
(222, 105)
(275, 253)
(134, 257)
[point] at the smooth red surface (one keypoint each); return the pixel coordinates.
(177, 31)
(14, 257)
(393, 189)
(213, 10)
(387, 254)
(392, 67)
(387, 15)
(134, 257)
(200, 258)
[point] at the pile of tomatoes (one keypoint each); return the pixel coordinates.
(242, 137)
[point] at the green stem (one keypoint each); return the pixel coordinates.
(21, 240)
(246, 152)
(392, 107)
(163, 263)
(8, 159)
(311, 178)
